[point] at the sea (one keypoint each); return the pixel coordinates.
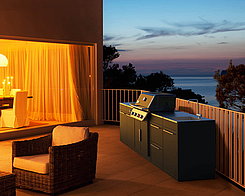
(203, 85)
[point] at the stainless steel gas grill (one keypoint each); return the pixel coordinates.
(134, 119)
(152, 102)
(156, 102)
(179, 143)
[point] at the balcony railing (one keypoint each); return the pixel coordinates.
(111, 100)
(230, 126)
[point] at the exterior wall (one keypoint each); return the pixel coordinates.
(66, 20)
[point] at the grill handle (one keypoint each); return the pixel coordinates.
(155, 126)
(168, 132)
(155, 146)
(124, 114)
(140, 135)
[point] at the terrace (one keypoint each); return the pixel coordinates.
(121, 171)
(230, 126)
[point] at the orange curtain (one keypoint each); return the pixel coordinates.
(56, 75)
(83, 60)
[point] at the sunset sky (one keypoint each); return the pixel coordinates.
(175, 36)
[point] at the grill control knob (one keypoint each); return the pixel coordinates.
(135, 114)
(141, 116)
(132, 113)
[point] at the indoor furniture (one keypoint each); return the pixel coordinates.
(13, 91)
(16, 116)
(6, 102)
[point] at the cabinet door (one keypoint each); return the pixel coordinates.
(156, 155)
(122, 127)
(170, 152)
(156, 134)
(144, 148)
(141, 138)
(137, 136)
(127, 129)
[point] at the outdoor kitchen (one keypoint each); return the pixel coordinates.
(179, 143)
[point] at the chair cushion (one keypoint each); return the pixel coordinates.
(35, 163)
(63, 135)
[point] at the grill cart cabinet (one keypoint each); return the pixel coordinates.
(170, 152)
(163, 145)
(156, 141)
(183, 149)
(126, 126)
(196, 150)
(170, 146)
(141, 137)
(134, 133)
(178, 143)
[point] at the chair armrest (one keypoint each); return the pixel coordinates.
(93, 137)
(31, 147)
(66, 155)
(72, 159)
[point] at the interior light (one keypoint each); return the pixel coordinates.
(3, 61)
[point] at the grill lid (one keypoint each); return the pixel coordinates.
(156, 102)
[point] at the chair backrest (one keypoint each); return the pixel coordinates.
(20, 103)
(63, 135)
(13, 91)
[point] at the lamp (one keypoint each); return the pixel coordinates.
(3, 61)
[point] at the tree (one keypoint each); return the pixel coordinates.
(154, 82)
(126, 77)
(187, 94)
(109, 54)
(129, 76)
(116, 77)
(230, 91)
(111, 76)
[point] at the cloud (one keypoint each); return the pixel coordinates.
(108, 38)
(209, 36)
(170, 48)
(202, 27)
(120, 50)
(115, 42)
(223, 43)
(123, 50)
(183, 66)
(117, 45)
(113, 37)
(175, 47)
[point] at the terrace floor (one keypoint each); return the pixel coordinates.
(121, 171)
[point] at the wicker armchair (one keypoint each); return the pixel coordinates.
(70, 166)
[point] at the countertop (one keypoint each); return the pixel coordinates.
(176, 116)
(179, 116)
